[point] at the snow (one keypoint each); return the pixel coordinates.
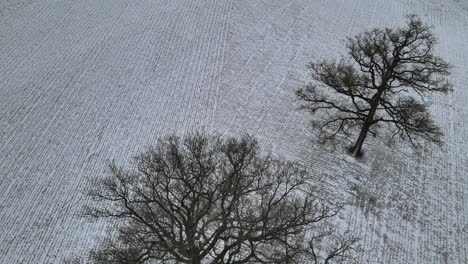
(83, 82)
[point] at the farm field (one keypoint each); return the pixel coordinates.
(84, 82)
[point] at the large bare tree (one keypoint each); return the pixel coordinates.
(385, 83)
(205, 199)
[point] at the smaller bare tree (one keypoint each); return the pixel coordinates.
(208, 200)
(389, 69)
(339, 248)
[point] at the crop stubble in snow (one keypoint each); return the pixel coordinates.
(86, 81)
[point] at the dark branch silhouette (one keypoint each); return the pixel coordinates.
(389, 69)
(340, 249)
(207, 200)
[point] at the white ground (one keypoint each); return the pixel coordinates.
(85, 81)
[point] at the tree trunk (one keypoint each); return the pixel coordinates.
(360, 141)
(367, 124)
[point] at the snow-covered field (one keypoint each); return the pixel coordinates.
(82, 82)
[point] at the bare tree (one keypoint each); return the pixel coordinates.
(206, 199)
(385, 83)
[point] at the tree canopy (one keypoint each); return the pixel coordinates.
(206, 199)
(385, 82)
